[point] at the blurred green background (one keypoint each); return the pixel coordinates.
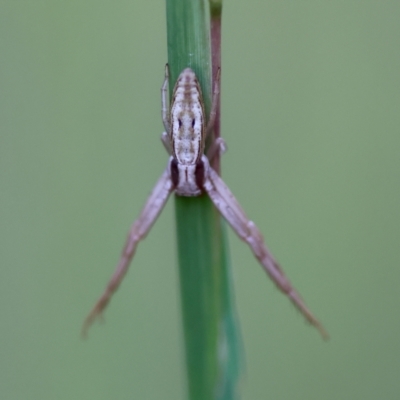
(310, 112)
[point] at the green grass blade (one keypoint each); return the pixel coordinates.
(210, 328)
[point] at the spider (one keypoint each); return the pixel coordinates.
(189, 173)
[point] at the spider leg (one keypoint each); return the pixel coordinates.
(166, 141)
(164, 103)
(218, 146)
(214, 105)
(230, 209)
(138, 231)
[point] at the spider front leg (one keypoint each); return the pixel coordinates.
(217, 147)
(138, 231)
(214, 104)
(164, 103)
(166, 141)
(228, 206)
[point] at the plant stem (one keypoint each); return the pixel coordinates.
(210, 331)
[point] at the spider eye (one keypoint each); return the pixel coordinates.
(179, 122)
(193, 122)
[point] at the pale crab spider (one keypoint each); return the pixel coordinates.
(189, 173)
